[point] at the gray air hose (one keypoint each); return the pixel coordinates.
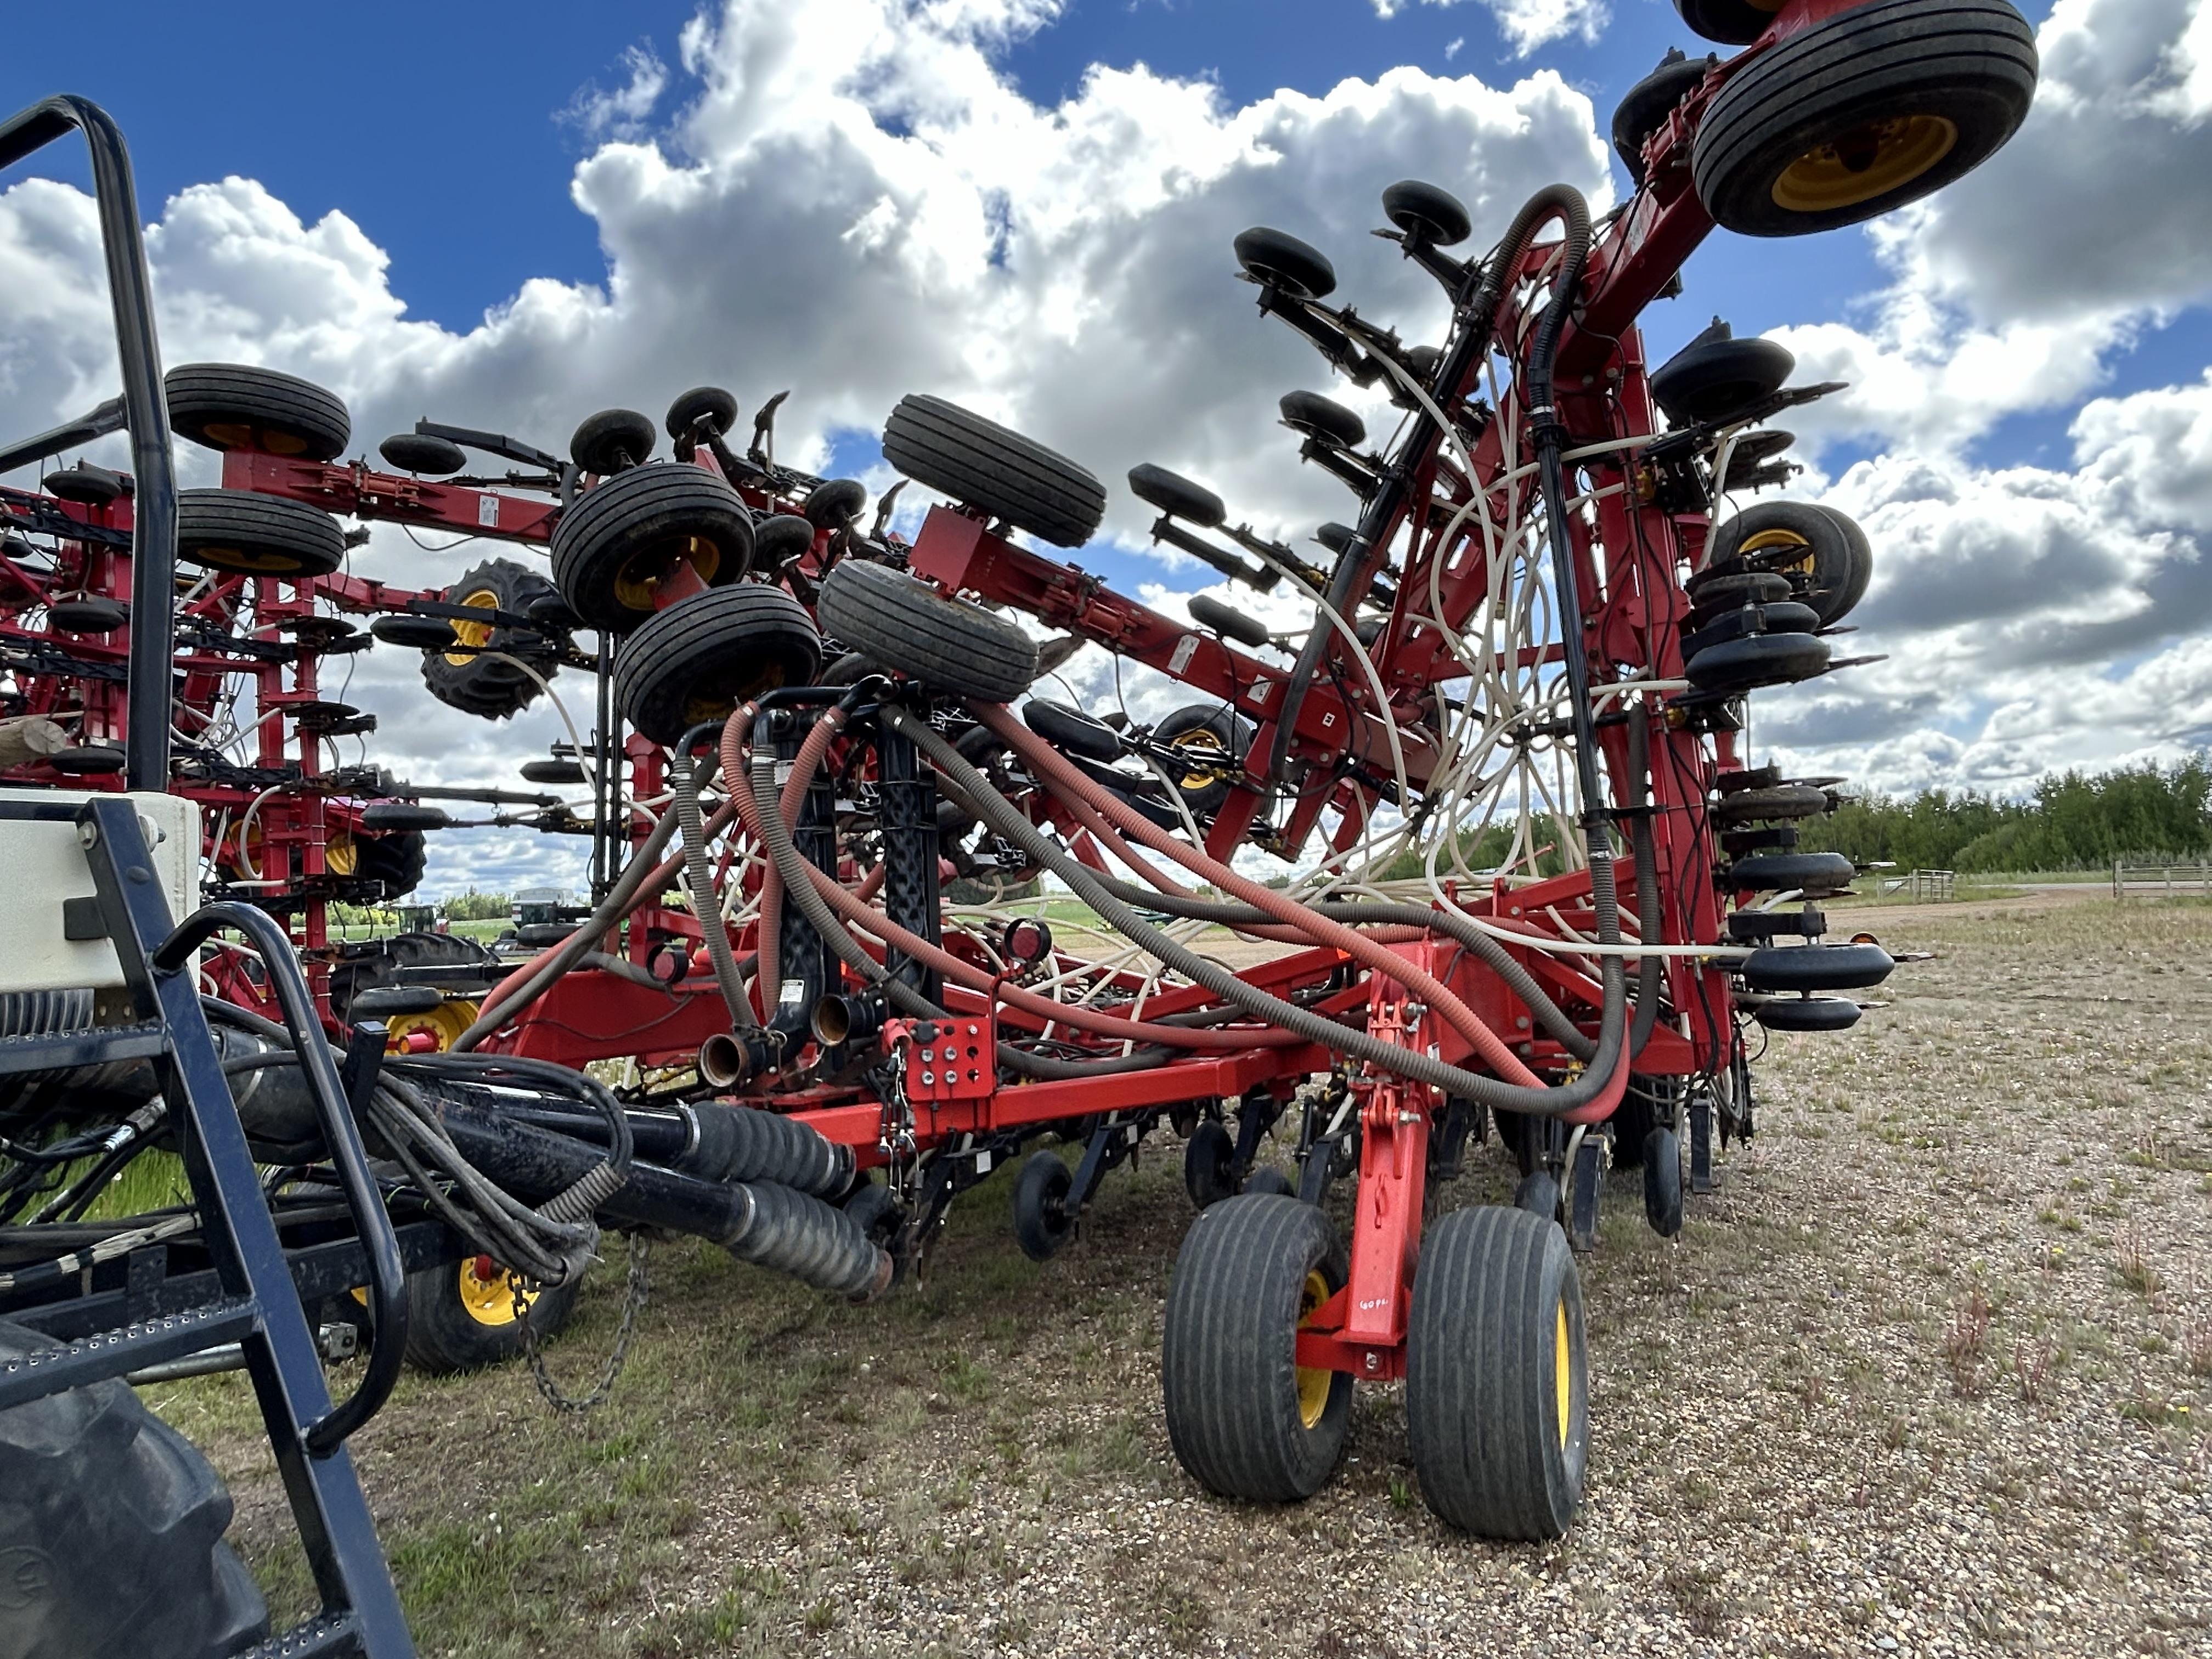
(1008, 821)
(739, 1143)
(699, 878)
(815, 1243)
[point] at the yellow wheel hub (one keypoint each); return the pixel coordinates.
(1864, 163)
(488, 1291)
(445, 1023)
(341, 854)
(1767, 540)
(1208, 758)
(1314, 1382)
(1563, 1374)
(641, 576)
(473, 635)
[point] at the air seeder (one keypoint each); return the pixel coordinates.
(1535, 883)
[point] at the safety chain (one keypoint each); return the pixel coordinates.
(633, 1299)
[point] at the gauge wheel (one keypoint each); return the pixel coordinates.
(983, 464)
(461, 1316)
(906, 625)
(1862, 112)
(238, 406)
(698, 660)
(250, 535)
(1209, 743)
(625, 539)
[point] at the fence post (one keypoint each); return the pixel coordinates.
(2116, 879)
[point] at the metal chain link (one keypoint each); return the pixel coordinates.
(634, 1292)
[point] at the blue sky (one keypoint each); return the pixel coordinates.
(511, 215)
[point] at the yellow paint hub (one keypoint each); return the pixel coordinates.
(1864, 163)
(1204, 747)
(1563, 1374)
(488, 1291)
(472, 635)
(1314, 1382)
(341, 854)
(639, 580)
(445, 1023)
(1767, 540)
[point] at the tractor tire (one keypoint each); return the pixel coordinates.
(387, 867)
(1822, 552)
(1244, 1417)
(622, 538)
(1497, 1381)
(250, 535)
(698, 660)
(981, 463)
(461, 1319)
(237, 406)
(908, 627)
(111, 1532)
(461, 676)
(1212, 742)
(1041, 1223)
(1862, 112)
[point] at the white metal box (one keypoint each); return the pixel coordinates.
(42, 864)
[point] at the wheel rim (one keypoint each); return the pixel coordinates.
(1867, 162)
(445, 1023)
(1563, 1373)
(248, 561)
(341, 855)
(637, 584)
(474, 635)
(1767, 540)
(488, 1291)
(699, 707)
(1315, 1381)
(1208, 761)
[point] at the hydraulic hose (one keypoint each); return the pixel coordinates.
(1651, 970)
(1597, 1089)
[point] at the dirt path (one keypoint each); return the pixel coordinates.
(1926, 1376)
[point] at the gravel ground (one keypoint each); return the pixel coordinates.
(1925, 1376)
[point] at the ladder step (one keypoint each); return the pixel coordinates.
(330, 1633)
(111, 1353)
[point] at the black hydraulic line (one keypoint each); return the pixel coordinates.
(1651, 970)
(146, 412)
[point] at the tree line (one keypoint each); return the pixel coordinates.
(2071, 821)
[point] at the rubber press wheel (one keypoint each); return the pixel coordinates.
(1244, 1417)
(1209, 742)
(698, 660)
(111, 1532)
(461, 1316)
(1042, 1223)
(1497, 1380)
(1863, 113)
(461, 676)
(238, 406)
(624, 538)
(250, 535)
(905, 624)
(983, 465)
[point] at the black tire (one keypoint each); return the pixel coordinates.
(1497, 1381)
(781, 539)
(419, 453)
(1863, 113)
(461, 1319)
(613, 440)
(981, 463)
(1730, 23)
(1714, 380)
(1243, 1420)
(1427, 212)
(1312, 415)
(1209, 1164)
(1281, 260)
(1041, 1223)
(368, 964)
(1538, 1195)
(1815, 873)
(1782, 617)
(1775, 804)
(1822, 553)
(1177, 495)
(1649, 102)
(703, 406)
(1071, 731)
(908, 627)
(1518, 1134)
(1662, 1182)
(1718, 593)
(237, 406)
(835, 503)
(250, 535)
(1808, 1014)
(1270, 1180)
(384, 867)
(1228, 621)
(698, 660)
(1757, 659)
(564, 774)
(1210, 742)
(111, 1532)
(461, 676)
(613, 548)
(1816, 967)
